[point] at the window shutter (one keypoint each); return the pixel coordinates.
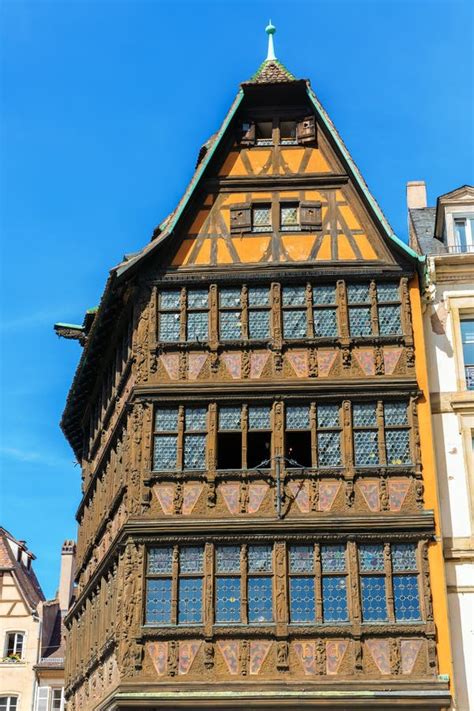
(42, 698)
(310, 216)
(247, 137)
(306, 130)
(240, 218)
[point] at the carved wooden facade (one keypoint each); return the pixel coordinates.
(258, 514)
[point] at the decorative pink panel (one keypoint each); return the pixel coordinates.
(325, 362)
(195, 364)
(230, 652)
(187, 652)
(233, 364)
(258, 362)
(328, 491)
(335, 651)
(390, 358)
(409, 650)
(158, 652)
(165, 495)
(231, 494)
(370, 490)
(300, 492)
(257, 494)
(171, 364)
(258, 653)
(299, 362)
(380, 651)
(306, 652)
(366, 361)
(191, 494)
(397, 492)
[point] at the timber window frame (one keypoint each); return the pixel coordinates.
(180, 438)
(381, 434)
(197, 314)
(254, 425)
(14, 644)
(282, 129)
(230, 314)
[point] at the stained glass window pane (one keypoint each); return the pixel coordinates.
(260, 599)
(259, 296)
(197, 326)
(229, 297)
(333, 558)
(364, 415)
(261, 219)
(259, 418)
(158, 601)
(229, 418)
(289, 217)
(227, 599)
(169, 327)
(406, 597)
(260, 559)
(328, 416)
(198, 298)
(329, 449)
(190, 559)
(166, 419)
(297, 417)
(389, 321)
(230, 325)
(371, 557)
(294, 324)
(165, 452)
(366, 448)
(228, 559)
(302, 607)
(160, 560)
(358, 293)
(195, 451)
(335, 599)
(324, 295)
(403, 556)
(301, 559)
(396, 413)
(325, 323)
(388, 292)
(374, 604)
(195, 418)
(259, 324)
(190, 600)
(294, 295)
(170, 299)
(359, 321)
(398, 447)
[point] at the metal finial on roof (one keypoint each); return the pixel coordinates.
(270, 30)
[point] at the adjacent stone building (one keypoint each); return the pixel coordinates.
(445, 234)
(259, 519)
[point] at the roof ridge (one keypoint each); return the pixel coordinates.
(271, 71)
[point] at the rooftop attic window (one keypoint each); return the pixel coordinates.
(288, 133)
(463, 235)
(264, 133)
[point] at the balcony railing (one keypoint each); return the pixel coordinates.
(469, 370)
(461, 248)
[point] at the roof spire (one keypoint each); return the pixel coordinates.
(270, 30)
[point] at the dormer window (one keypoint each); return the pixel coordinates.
(264, 133)
(288, 133)
(463, 234)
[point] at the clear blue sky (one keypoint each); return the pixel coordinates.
(104, 105)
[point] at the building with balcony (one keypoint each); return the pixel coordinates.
(444, 234)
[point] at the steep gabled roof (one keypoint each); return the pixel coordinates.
(271, 71)
(25, 577)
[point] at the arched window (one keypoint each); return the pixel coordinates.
(14, 646)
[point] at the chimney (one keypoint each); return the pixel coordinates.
(416, 194)
(66, 576)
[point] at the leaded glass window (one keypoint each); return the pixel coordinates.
(189, 574)
(195, 438)
(230, 314)
(302, 584)
(294, 312)
(328, 436)
(289, 219)
(324, 312)
(358, 297)
(405, 582)
(397, 433)
(228, 599)
(260, 559)
(366, 434)
(169, 316)
(259, 312)
(259, 417)
(334, 583)
(373, 587)
(294, 296)
(388, 297)
(158, 590)
(260, 599)
(261, 218)
(165, 446)
(197, 327)
(229, 418)
(229, 567)
(297, 417)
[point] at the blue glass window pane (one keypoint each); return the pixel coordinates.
(366, 448)
(325, 323)
(398, 447)
(227, 599)
(259, 418)
(190, 559)
(259, 324)
(301, 559)
(333, 558)
(359, 321)
(388, 292)
(229, 297)
(329, 449)
(324, 295)
(158, 601)
(259, 296)
(371, 557)
(195, 418)
(406, 597)
(170, 299)
(166, 419)
(294, 324)
(294, 295)
(190, 600)
(228, 559)
(260, 559)
(230, 325)
(229, 418)
(403, 557)
(195, 451)
(364, 415)
(374, 604)
(396, 413)
(160, 560)
(260, 600)
(335, 599)
(302, 607)
(328, 416)
(197, 326)
(169, 327)
(389, 321)
(198, 298)
(297, 417)
(165, 452)
(358, 293)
